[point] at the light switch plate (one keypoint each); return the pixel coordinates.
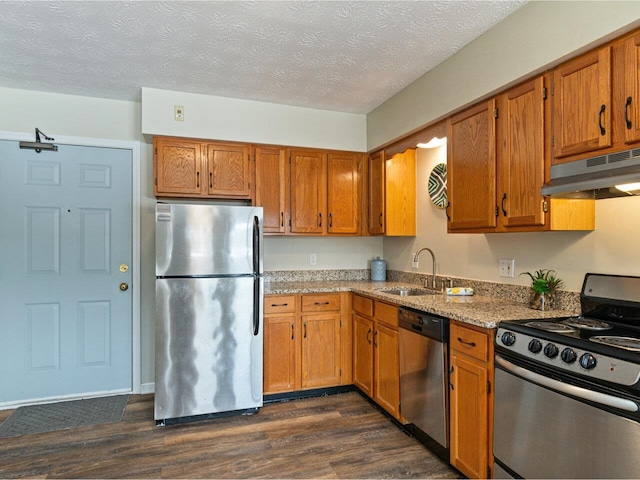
(507, 266)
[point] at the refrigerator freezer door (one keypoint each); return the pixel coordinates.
(208, 355)
(208, 240)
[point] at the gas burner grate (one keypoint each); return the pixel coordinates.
(587, 323)
(627, 343)
(551, 327)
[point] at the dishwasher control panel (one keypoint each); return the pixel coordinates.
(422, 323)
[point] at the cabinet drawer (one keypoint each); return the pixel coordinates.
(279, 304)
(321, 303)
(470, 342)
(386, 313)
(363, 305)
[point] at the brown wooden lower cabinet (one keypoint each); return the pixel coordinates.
(306, 342)
(471, 400)
(375, 352)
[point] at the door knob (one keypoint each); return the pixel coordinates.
(124, 286)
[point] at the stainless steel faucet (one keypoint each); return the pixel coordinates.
(433, 269)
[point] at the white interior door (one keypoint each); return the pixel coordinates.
(65, 250)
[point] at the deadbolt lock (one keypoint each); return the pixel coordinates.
(124, 286)
(124, 268)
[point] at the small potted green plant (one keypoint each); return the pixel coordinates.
(544, 284)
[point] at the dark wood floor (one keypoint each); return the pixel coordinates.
(338, 436)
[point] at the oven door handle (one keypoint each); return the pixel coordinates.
(597, 397)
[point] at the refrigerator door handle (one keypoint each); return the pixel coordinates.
(256, 245)
(257, 304)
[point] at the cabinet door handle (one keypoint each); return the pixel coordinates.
(304, 335)
(282, 219)
(471, 344)
(380, 220)
(330, 220)
(197, 179)
(602, 109)
(626, 113)
(451, 373)
(368, 338)
(292, 331)
(446, 211)
(210, 180)
(504, 199)
(375, 336)
(320, 219)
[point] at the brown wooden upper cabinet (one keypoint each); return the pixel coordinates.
(324, 190)
(392, 194)
(308, 191)
(596, 101)
(192, 168)
(497, 163)
(272, 187)
(582, 104)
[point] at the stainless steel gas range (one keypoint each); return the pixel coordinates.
(567, 391)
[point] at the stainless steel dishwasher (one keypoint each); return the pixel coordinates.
(423, 379)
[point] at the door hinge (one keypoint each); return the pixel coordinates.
(544, 93)
(497, 211)
(553, 140)
(249, 185)
(489, 472)
(553, 89)
(495, 113)
(545, 206)
(156, 181)
(155, 151)
(488, 387)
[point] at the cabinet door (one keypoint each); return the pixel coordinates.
(469, 421)
(363, 354)
(271, 187)
(228, 170)
(308, 192)
(386, 369)
(279, 353)
(632, 89)
(521, 155)
(400, 194)
(343, 193)
(177, 167)
(582, 104)
(471, 172)
(376, 217)
(320, 350)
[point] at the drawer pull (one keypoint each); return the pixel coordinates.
(321, 303)
(279, 304)
(471, 344)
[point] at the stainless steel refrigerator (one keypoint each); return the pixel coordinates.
(209, 295)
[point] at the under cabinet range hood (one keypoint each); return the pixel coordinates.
(605, 176)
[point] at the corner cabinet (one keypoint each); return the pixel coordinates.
(191, 168)
(471, 400)
(498, 162)
(306, 342)
(376, 370)
(392, 194)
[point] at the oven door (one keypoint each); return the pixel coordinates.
(545, 428)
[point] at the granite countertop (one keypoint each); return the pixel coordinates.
(477, 310)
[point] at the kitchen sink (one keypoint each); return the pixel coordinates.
(410, 292)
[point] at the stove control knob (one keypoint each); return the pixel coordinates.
(568, 355)
(535, 346)
(551, 351)
(508, 338)
(588, 361)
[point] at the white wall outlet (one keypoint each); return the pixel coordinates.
(178, 113)
(312, 259)
(507, 267)
(414, 262)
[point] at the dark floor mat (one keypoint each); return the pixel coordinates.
(64, 415)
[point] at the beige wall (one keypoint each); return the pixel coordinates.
(532, 39)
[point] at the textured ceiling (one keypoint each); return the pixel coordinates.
(333, 55)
